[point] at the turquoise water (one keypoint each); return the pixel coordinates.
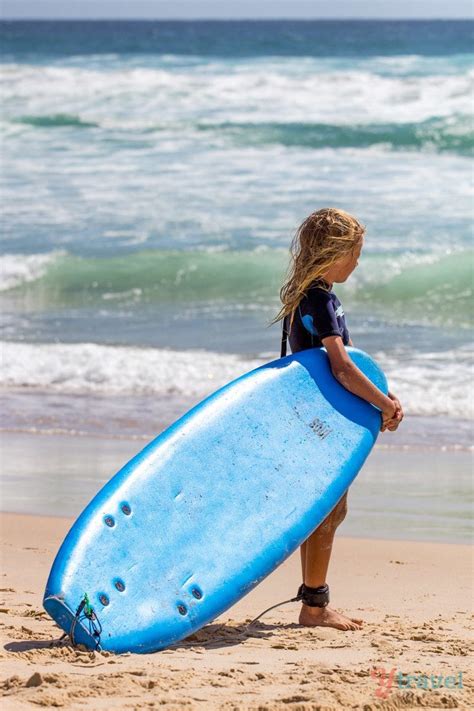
(154, 173)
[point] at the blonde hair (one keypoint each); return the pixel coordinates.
(323, 238)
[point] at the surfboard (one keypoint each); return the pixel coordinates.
(213, 505)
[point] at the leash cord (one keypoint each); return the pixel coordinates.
(243, 633)
(95, 630)
(93, 622)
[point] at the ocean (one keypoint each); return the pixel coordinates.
(154, 173)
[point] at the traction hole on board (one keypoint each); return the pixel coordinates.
(120, 585)
(182, 609)
(109, 521)
(126, 509)
(196, 593)
(104, 599)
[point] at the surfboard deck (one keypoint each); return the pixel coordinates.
(214, 504)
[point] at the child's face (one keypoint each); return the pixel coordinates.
(342, 269)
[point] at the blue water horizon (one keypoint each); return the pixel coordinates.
(207, 38)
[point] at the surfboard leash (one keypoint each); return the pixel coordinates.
(246, 629)
(314, 597)
(85, 611)
(293, 599)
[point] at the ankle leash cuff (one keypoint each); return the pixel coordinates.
(313, 597)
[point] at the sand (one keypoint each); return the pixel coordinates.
(414, 598)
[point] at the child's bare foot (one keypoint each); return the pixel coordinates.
(326, 617)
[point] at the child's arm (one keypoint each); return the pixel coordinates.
(354, 380)
(394, 422)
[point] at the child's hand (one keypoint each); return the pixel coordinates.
(395, 401)
(388, 416)
(391, 420)
(392, 423)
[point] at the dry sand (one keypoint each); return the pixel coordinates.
(414, 598)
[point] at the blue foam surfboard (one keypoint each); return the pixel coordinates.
(214, 504)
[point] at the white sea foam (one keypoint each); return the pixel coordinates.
(432, 384)
(17, 269)
(141, 97)
(219, 204)
(91, 368)
(436, 383)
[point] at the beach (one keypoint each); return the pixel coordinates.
(413, 597)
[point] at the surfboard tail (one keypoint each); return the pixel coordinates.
(70, 622)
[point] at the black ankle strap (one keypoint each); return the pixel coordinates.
(313, 597)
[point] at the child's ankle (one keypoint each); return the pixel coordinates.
(315, 611)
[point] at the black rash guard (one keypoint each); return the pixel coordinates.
(319, 314)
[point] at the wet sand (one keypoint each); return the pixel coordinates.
(401, 492)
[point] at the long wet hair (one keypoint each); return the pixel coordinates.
(323, 238)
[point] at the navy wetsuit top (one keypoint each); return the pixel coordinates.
(319, 314)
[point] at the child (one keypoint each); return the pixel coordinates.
(325, 250)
